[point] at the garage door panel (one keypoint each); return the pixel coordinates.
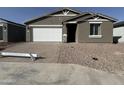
(47, 34)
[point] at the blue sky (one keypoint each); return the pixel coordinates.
(21, 14)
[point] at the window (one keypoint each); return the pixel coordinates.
(95, 29)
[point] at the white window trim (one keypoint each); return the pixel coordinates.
(95, 22)
(95, 36)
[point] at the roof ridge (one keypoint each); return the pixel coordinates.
(50, 14)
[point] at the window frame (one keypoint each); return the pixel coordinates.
(95, 36)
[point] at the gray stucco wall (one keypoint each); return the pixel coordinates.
(50, 20)
(80, 18)
(83, 32)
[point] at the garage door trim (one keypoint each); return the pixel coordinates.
(47, 34)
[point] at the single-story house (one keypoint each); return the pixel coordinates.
(118, 32)
(11, 31)
(67, 25)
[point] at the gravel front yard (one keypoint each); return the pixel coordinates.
(106, 57)
(101, 56)
(4, 45)
(47, 51)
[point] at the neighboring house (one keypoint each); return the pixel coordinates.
(11, 32)
(67, 25)
(118, 32)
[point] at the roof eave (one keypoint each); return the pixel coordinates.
(108, 17)
(33, 19)
(77, 16)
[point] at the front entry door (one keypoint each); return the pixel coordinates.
(71, 32)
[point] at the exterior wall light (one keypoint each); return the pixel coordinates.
(4, 28)
(28, 28)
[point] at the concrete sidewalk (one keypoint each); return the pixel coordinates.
(51, 73)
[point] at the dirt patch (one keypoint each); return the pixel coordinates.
(4, 45)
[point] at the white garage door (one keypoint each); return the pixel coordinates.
(47, 34)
